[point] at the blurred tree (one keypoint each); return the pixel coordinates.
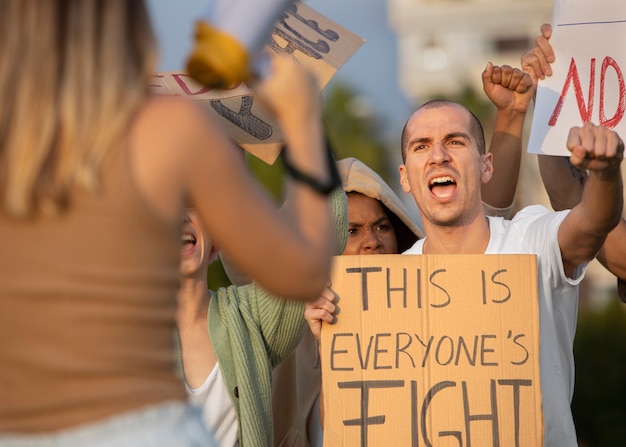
(354, 130)
(599, 404)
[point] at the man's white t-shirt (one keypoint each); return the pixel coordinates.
(534, 230)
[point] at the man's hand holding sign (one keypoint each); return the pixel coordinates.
(585, 83)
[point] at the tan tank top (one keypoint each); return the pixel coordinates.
(87, 309)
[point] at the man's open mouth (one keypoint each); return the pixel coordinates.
(442, 187)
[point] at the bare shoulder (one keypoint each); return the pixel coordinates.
(164, 114)
(170, 142)
(161, 141)
(167, 103)
(172, 123)
(180, 122)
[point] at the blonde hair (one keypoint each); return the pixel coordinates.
(74, 73)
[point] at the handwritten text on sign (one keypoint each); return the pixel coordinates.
(433, 350)
(301, 32)
(587, 84)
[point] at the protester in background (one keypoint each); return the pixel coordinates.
(94, 176)
(378, 222)
(564, 182)
(227, 368)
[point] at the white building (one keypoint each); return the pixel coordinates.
(444, 45)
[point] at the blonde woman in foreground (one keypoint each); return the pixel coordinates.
(94, 177)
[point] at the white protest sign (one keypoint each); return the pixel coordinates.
(587, 84)
(317, 42)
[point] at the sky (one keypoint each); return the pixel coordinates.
(371, 72)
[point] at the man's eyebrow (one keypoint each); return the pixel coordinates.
(419, 140)
(449, 136)
(458, 135)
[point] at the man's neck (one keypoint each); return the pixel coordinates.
(470, 238)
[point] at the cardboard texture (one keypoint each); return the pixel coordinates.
(317, 42)
(433, 350)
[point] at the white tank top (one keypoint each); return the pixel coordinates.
(218, 412)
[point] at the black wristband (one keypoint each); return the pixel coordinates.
(315, 185)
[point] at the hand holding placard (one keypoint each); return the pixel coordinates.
(229, 38)
(587, 84)
(301, 32)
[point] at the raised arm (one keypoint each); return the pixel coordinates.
(563, 182)
(289, 254)
(564, 185)
(582, 233)
(510, 90)
(613, 253)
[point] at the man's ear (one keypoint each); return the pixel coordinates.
(404, 181)
(487, 167)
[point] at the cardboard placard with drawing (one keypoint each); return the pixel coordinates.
(316, 41)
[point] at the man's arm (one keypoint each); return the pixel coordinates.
(582, 233)
(613, 254)
(562, 181)
(510, 90)
(564, 185)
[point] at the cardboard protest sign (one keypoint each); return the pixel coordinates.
(433, 350)
(317, 42)
(588, 75)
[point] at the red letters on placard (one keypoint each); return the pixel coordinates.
(182, 79)
(586, 110)
(621, 105)
(573, 77)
